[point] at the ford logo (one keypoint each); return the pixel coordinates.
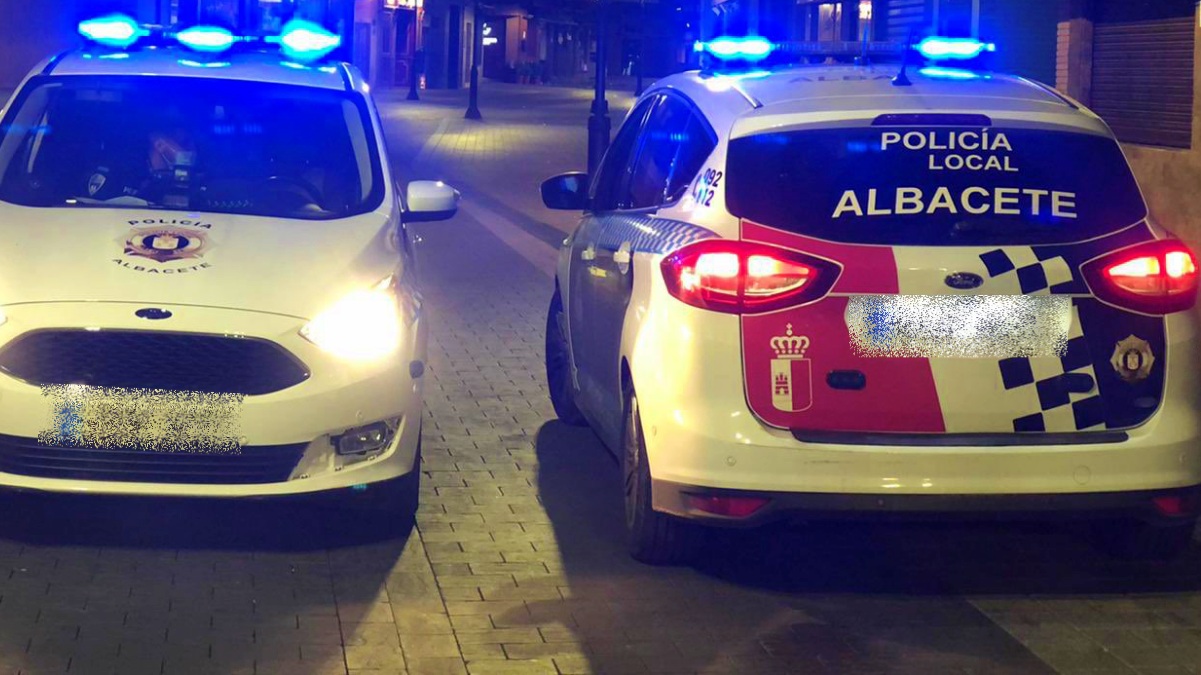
(152, 313)
(964, 280)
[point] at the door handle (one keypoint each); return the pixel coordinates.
(622, 257)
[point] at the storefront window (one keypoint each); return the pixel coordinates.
(829, 22)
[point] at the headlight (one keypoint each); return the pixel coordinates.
(363, 326)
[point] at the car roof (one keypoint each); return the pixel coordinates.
(738, 104)
(255, 66)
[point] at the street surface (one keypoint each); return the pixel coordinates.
(517, 564)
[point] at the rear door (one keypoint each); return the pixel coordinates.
(973, 296)
(662, 159)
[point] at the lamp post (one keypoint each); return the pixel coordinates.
(598, 121)
(477, 46)
(641, 44)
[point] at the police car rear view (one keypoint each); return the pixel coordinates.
(811, 291)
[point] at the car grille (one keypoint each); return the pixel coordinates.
(152, 360)
(254, 464)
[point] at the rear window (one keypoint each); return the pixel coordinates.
(935, 186)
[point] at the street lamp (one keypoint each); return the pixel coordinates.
(641, 44)
(598, 121)
(473, 101)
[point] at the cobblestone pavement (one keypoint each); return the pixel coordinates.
(516, 564)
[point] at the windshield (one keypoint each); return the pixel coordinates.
(934, 186)
(195, 144)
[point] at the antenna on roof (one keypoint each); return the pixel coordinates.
(902, 79)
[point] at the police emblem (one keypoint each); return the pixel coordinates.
(164, 245)
(791, 373)
(1132, 359)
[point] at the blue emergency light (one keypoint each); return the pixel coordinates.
(944, 48)
(939, 73)
(213, 39)
(115, 30)
(301, 41)
(305, 41)
(750, 48)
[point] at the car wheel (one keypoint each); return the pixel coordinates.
(1139, 540)
(558, 368)
(654, 538)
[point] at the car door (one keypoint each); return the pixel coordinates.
(666, 154)
(607, 193)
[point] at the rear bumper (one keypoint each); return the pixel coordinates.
(678, 500)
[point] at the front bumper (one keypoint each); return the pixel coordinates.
(337, 396)
(686, 501)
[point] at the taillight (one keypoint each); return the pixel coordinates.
(739, 277)
(1159, 277)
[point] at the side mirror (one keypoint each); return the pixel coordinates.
(428, 200)
(566, 192)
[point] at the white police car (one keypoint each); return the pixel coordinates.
(208, 285)
(818, 290)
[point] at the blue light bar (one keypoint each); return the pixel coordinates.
(938, 73)
(939, 48)
(115, 30)
(751, 48)
(206, 38)
(305, 41)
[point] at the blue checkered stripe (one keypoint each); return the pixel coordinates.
(1035, 271)
(1055, 393)
(647, 234)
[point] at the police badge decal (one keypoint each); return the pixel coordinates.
(1132, 359)
(165, 244)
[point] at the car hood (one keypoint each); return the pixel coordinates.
(279, 266)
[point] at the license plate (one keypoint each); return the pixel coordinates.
(154, 420)
(948, 326)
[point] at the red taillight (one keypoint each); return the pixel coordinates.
(733, 276)
(733, 507)
(1159, 277)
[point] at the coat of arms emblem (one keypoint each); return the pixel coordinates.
(791, 373)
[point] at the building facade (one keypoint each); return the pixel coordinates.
(1134, 62)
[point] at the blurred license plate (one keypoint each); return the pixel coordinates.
(949, 326)
(154, 420)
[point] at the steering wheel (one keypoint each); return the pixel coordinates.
(295, 185)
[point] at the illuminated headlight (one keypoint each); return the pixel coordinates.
(363, 326)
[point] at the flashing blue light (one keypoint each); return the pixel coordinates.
(938, 48)
(752, 48)
(206, 38)
(204, 64)
(115, 30)
(305, 41)
(950, 73)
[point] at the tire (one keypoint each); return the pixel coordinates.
(653, 538)
(1139, 540)
(558, 368)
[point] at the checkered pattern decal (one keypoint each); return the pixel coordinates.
(1060, 393)
(1034, 273)
(647, 234)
